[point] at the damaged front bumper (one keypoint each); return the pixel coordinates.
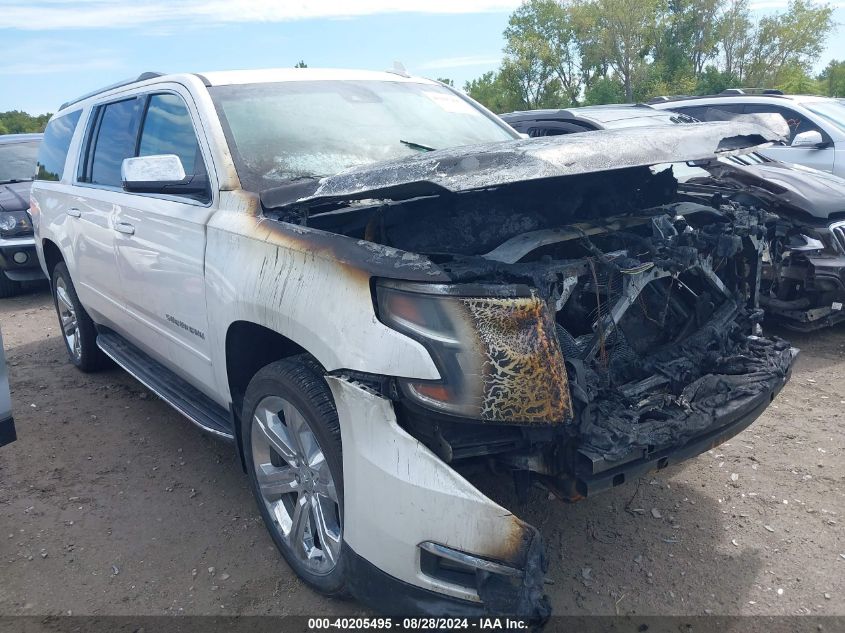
(420, 538)
(593, 473)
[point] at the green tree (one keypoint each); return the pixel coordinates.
(604, 90)
(832, 79)
(713, 81)
(628, 31)
(446, 80)
(689, 38)
(788, 41)
(300, 64)
(18, 122)
(542, 40)
(492, 91)
(734, 34)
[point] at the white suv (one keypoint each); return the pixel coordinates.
(284, 258)
(816, 124)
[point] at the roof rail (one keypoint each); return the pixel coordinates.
(119, 84)
(729, 92)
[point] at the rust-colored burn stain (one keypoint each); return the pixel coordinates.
(523, 374)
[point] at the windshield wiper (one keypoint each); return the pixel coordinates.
(419, 146)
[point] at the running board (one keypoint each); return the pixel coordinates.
(187, 400)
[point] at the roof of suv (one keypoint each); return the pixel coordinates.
(668, 102)
(265, 75)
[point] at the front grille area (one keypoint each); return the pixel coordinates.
(838, 231)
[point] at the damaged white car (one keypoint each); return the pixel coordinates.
(296, 261)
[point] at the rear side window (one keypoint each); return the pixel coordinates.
(115, 134)
(53, 151)
(168, 130)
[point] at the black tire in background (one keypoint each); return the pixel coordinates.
(8, 288)
(82, 350)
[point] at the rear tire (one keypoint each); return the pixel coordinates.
(77, 328)
(292, 450)
(8, 288)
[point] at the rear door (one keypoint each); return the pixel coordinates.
(160, 245)
(110, 137)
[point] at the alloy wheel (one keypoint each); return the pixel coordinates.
(296, 484)
(68, 319)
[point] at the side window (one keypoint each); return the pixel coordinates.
(797, 122)
(113, 139)
(53, 151)
(168, 130)
(697, 112)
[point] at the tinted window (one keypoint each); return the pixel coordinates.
(54, 147)
(797, 122)
(168, 130)
(17, 160)
(116, 135)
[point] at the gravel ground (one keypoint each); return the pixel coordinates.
(111, 503)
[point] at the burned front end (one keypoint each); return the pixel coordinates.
(589, 322)
(582, 354)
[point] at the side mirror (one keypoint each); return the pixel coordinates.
(811, 138)
(162, 173)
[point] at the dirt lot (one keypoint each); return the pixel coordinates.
(111, 503)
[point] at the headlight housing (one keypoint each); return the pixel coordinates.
(495, 347)
(15, 224)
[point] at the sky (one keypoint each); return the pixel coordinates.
(52, 51)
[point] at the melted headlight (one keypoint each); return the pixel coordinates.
(495, 347)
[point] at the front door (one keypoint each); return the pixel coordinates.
(160, 245)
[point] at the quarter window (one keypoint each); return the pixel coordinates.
(116, 135)
(53, 151)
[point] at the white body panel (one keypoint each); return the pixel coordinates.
(417, 497)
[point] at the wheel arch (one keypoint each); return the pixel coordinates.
(52, 256)
(250, 347)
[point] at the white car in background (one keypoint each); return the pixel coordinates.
(816, 124)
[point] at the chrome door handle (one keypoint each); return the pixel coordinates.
(125, 228)
(74, 213)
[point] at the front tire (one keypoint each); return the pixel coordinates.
(78, 330)
(292, 449)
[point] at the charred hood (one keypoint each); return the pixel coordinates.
(492, 165)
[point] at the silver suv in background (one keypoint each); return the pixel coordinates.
(816, 124)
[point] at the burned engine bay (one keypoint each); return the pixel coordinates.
(648, 297)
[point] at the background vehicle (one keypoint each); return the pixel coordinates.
(385, 286)
(18, 261)
(7, 423)
(804, 270)
(816, 124)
